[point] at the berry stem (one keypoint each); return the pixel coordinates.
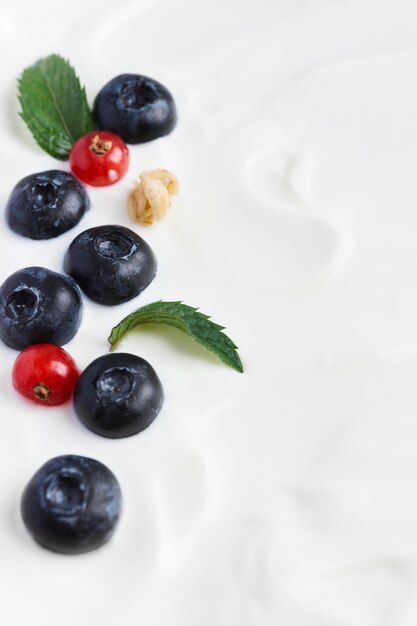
(100, 146)
(41, 391)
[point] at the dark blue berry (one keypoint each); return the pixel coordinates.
(136, 108)
(111, 264)
(45, 205)
(118, 395)
(38, 306)
(72, 504)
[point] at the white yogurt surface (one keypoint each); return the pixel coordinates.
(286, 495)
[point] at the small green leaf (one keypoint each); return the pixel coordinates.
(54, 105)
(187, 319)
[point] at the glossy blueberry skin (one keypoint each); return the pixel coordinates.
(72, 504)
(46, 204)
(111, 264)
(118, 395)
(136, 108)
(38, 306)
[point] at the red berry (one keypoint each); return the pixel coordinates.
(45, 373)
(99, 158)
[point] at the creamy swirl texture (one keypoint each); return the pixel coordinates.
(285, 495)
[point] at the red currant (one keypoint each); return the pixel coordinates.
(45, 373)
(99, 158)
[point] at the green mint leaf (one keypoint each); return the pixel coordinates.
(54, 105)
(185, 318)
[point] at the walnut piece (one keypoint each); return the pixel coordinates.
(150, 198)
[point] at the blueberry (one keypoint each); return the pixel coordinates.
(38, 306)
(118, 395)
(111, 264)
(135, 107)
(45, 205)
(72, 504)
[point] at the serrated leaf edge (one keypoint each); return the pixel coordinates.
(229, 356)
(51, 147)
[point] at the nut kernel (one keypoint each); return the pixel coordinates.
(150, 198)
